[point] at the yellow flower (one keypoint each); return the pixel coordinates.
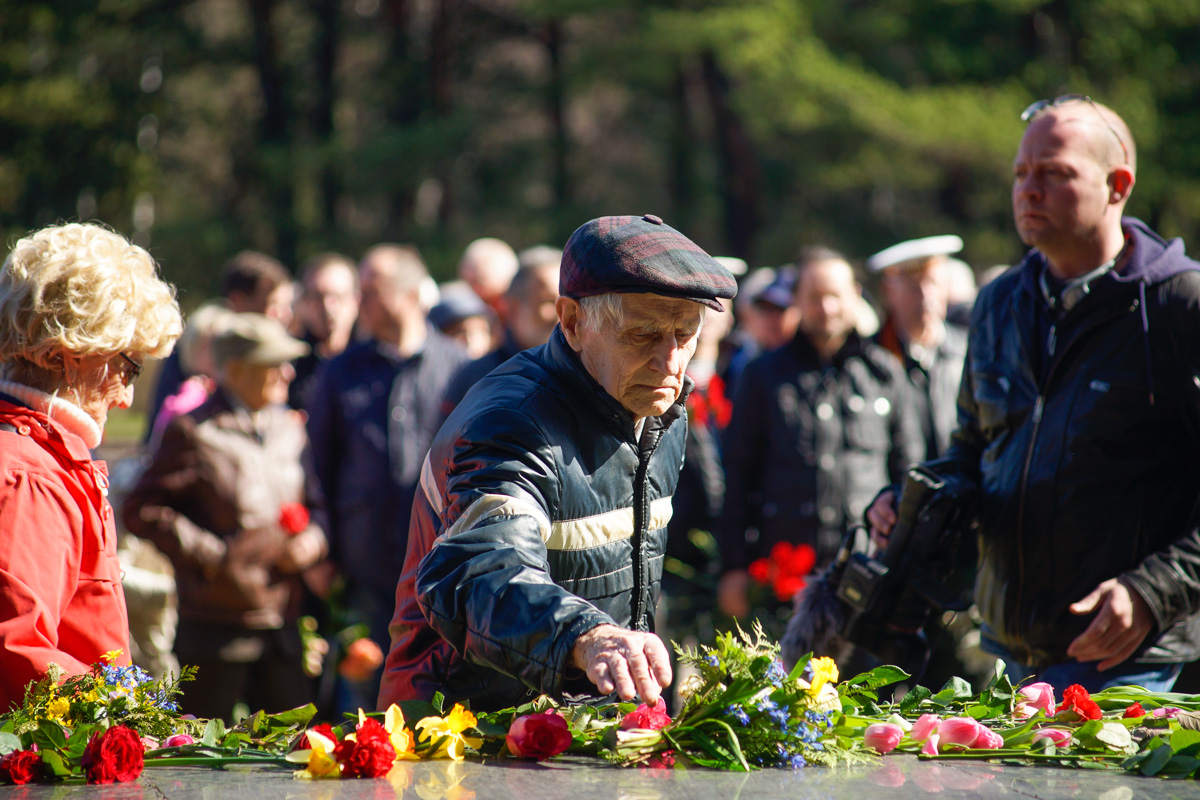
(823, 669)
(319, 761)
(449, 730)
(58, 707)
(402, 738)
(111, 656)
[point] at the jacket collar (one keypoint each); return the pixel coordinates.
(565, 363)
(44, 428)
(803, 347)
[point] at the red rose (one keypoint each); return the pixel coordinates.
(650, 717)
(293, 518)
(21, 766)
(1134, 710)
(371, 755)
(115, 755)
(325, 729)
(1077, 699)
(539, 736)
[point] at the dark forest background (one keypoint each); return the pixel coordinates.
(299, 126)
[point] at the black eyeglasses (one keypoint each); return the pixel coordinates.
(1041, 105)
(131, 374)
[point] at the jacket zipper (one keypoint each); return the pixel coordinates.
(1039, 406)
(641, 521)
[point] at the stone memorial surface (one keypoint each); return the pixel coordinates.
(584, 779)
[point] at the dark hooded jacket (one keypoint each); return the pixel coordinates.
(1083, 431)
(539, 517)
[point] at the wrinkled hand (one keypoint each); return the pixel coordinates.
(630, 663)
(302, 551)
(731, 593)
(881, 516)
(1122, 621)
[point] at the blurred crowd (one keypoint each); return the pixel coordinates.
(329, 387)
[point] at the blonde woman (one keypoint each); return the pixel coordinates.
(80, 310)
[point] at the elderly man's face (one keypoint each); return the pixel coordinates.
(916, 295)
(641, 362)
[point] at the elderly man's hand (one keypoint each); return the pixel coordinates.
(630, 663)
(1122, 621)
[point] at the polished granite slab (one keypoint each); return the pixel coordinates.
(579, 779)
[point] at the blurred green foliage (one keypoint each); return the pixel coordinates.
(756, 126)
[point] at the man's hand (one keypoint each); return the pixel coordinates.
(731, 593)
(630, 663)
(1122, 622)
(882, 518)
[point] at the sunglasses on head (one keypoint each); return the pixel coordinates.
(1041, 105)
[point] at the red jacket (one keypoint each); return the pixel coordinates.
(60, 580)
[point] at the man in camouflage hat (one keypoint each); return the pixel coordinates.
(536, 542)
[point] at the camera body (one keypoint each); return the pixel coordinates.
(892, 597)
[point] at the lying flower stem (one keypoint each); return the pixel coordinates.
(218, 761)
(983, 755)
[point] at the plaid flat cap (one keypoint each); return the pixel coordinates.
(641, 255)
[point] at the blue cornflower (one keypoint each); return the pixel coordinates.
(738, 713)
(712, 660)
(776, 674)
(767, 704)
(798, 762)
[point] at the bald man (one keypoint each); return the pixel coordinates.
(1079, 420)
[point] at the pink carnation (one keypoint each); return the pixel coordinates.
(653, 717)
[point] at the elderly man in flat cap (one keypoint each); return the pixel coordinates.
(536, 542)
(916, 295)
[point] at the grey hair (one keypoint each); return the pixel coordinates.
(600, 310)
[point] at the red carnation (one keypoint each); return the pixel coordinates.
(325, 729)
(293, 518)
(650, 717)
(1077, 699)
(1134, 710)
(371, 755)
(539, 736)
(115, 755)
(21, 766)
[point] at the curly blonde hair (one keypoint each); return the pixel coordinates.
(86, 290)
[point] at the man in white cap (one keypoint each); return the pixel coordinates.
(916, 297)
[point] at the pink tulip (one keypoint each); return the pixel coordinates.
(883, 736)
(988, 739)
(178, 740)
(930, 748)
(1166, 711)
(959, 731)
(149, 743)
(1035, 697)
(1060, 737)
(924, 727)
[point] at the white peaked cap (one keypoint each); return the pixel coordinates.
(915, 249)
